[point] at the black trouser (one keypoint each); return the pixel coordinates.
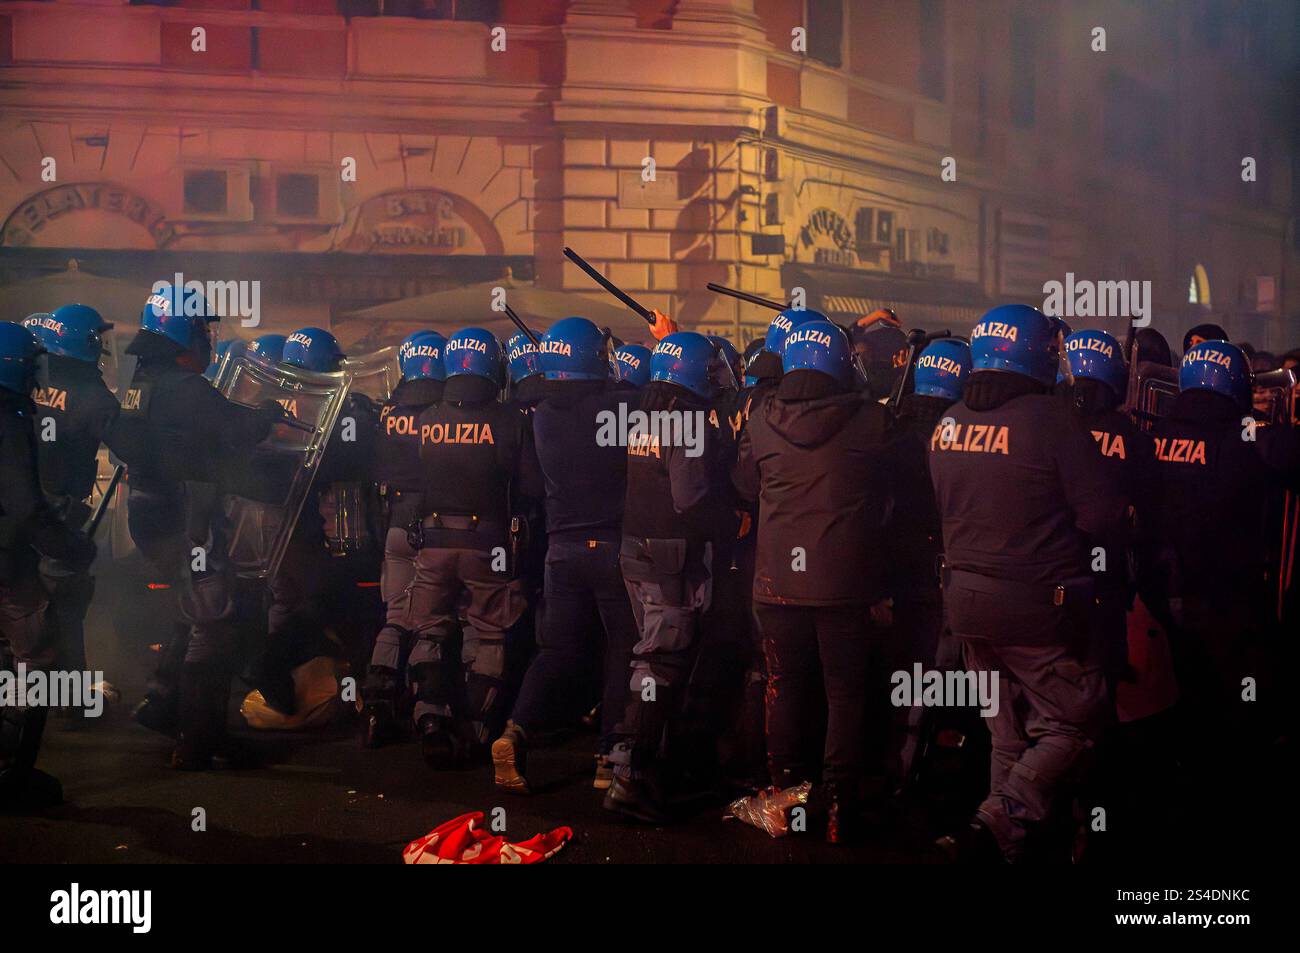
(797, 640)
(582, 576)
(918, 635)
(22, 640)
(71, 591)
(157, 525)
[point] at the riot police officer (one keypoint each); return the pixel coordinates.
(1099, 382)
(29, 530)
(1218, 470)
(477, 454)
(311, 590)
(914, 532)
(75, 409)
(401, 479)
(1023, 494)
(585, 479)
(762, 373)
(813, 459)
(676, 508)
(181, 441)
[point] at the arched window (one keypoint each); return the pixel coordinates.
(1198, 289)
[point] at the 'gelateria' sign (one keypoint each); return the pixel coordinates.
(24, 225)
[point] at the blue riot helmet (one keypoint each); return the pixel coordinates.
(474, 352)
(267, 348)
(522, 357)
(684, 358)
(20, 351)
(74, 330)
(420, 357)
(819, 346)
(574, 350)
(942, 369)
(1217, 366)
(1097, 356)
(180, 315)
(1018, 339)
(631, 364)
(312, 349)
(784, 323)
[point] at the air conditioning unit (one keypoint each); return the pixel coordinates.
(215, 192)
(303, 195)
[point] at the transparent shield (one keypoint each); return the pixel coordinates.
(375, 375)
(261, 512)
(1273, 396)
(1156, 390)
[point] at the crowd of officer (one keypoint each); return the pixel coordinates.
(730, 606)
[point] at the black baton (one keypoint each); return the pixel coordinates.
(609, 286)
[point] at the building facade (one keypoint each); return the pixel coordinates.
(935, 156)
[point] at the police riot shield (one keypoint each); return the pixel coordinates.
(261, 510)
(351, 510)
(1274, 404)
(1152, 390)
(374, 375)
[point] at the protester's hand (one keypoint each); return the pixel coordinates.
(746, 524)
(663, 326)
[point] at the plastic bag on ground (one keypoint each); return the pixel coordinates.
(463, 841)
(769, 809)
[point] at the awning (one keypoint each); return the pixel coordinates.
(471, 305)
(930, 303)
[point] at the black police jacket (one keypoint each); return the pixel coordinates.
(676, 490)
(813, 457)
(28, 525)
(175, 427)
(81, 409)
(477, 455)
(397, 448)
(1022, 490)
(585, 476)
(1216, 484)
(913, 536)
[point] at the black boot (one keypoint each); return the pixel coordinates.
(436, 743)
(843, 814)
(202, 717)
(640, 799)
(22, 786)
(379, 713)
(975, 845)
